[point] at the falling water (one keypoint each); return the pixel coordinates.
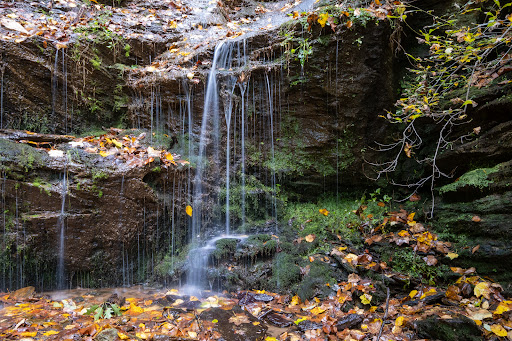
(273, 175)
(62, 231)
(2, 71)
(228, 110)
(210, 122)
(55, 82)
(243, 88)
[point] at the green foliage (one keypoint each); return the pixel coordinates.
(468, 51)
(406, 261)
(104, 311)
(307, 219)
(478, 178)
(98, 174)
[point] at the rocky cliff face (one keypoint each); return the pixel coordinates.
(311, 102)
(104, 218)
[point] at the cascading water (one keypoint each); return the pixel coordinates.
(228, 110)
(210, 134)
(2, 73)
(61, 225)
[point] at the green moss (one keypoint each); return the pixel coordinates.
(478, 178)
(285, 271)
(224, 247)
(406, 261)
(98, 175)
(43, 186)
(314, 284)
(21, 156)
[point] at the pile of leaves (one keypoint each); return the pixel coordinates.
(362, 307)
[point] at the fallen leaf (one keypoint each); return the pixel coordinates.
(483, 289)
(322, 19)
(475, 249)
(13, 25)
(134, 310)
(476, 219)
(324, 211)
(238, 319)
(430, 260)
(452, 255)
(310, 238)
(498, 330)
(188, 210)
(365, 298)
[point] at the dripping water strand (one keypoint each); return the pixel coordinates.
(55, 82)
(2, 73)
(228, 109)
(62, 231)
(273, 172)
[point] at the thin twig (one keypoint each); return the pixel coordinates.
(385, 315)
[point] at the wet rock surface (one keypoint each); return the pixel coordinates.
(104, 206)
(459, 328)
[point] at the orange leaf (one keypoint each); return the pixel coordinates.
(475, 249)
(134, 310)
(476, 219)
(188, 209)
(324, 211)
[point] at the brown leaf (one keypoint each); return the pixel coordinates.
(414, 197)
(475, 249)
(408, 149)
(430, 260)
(238, 319)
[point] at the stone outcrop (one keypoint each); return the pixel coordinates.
(114, 216)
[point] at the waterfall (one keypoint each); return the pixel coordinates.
(61, 225)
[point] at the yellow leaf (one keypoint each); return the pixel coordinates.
(50, 332)
(28, 334)
(295, 300)
(255, 323)
(502, 307)
(410, 217)
(173, 24)
(428, 293)
(323, 19)
(452, 255)
(482, 289)
(134, 310)
(324, 211)
(317, 310)
(399, 321)
(122, 336)
(117, 143)
(310, 238)
(270, 338)
(188, 209)
(365, 298)
(498, 330)
(413, 293)
(103, 153)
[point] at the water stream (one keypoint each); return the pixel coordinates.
(61, 225)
